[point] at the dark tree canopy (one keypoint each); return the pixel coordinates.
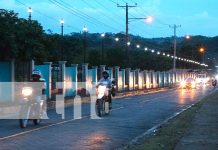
(23, 39)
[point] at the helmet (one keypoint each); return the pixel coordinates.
(36, 74)
(105, 74)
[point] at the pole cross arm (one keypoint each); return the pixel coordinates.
(138, 18)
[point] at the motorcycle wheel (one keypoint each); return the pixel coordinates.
(24, 115)
(106, 108)
(98, 108)
(36, 121)
(23, 123)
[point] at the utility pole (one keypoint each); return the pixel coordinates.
(62, 38)
(127, 28)
(174, 54)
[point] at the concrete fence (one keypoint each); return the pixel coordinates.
(125, 79)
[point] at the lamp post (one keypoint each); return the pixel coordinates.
(102, 47)
(85, 30)
(202, 51)
(148, 19)
(62, 35)
(29, 10)
(188, 38)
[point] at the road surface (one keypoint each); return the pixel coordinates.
(130, 117)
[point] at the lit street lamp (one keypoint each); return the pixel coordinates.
(84, 30)
(62, 35)
(102, 47)
(202, 51)
(117, 39)
(187, 37)
(149, 19)
(29, 10)
(62, 26)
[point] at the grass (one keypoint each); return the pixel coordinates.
(171, 132)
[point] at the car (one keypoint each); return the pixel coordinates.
(202, 79)
(188, 83)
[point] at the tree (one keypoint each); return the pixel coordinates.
(21, 39)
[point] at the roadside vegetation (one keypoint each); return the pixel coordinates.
(24, 39)
(169, 134)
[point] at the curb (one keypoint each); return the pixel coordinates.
(158, 126)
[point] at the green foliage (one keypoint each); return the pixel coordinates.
(21, 39)
(25, 39)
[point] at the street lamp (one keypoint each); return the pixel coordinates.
(62, 26)
(128, 43)
(117, 39)
(62, 35)
(84, 30)
(29, 10)
(188, 37)
(202, 51)
(149, 19)
(137, 46)
(146, 48)
(102, 47)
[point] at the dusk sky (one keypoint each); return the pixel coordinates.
(196, 17)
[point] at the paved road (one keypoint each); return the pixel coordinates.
(130, 117)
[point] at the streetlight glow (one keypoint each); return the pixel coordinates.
(103, 35)
(202, 50)
(29, 10)
(187, 37)
(137, 46)
(128, 43)
(62, 21)
(149, 19)
(146, 48)
(85, 29)
(117, 39)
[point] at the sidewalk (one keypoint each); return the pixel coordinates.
(203, 134)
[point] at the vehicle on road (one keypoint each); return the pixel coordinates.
(102, 102)
(202, 79)
(32, 107)
(214, 82)
(188, 83)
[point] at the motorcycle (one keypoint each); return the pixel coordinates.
(31, 108)
(214, 83)
(102, 103)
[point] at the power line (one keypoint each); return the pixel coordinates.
(67, 7)
(49, 17)
(102, 13)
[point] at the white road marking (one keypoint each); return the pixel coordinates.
(47, 126)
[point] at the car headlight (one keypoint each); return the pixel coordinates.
(27, 91)
(193, 84)
(183, 83)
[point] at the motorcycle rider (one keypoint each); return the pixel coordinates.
(39, 86)
(107, 82)
(214, 82)
(37, 77)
